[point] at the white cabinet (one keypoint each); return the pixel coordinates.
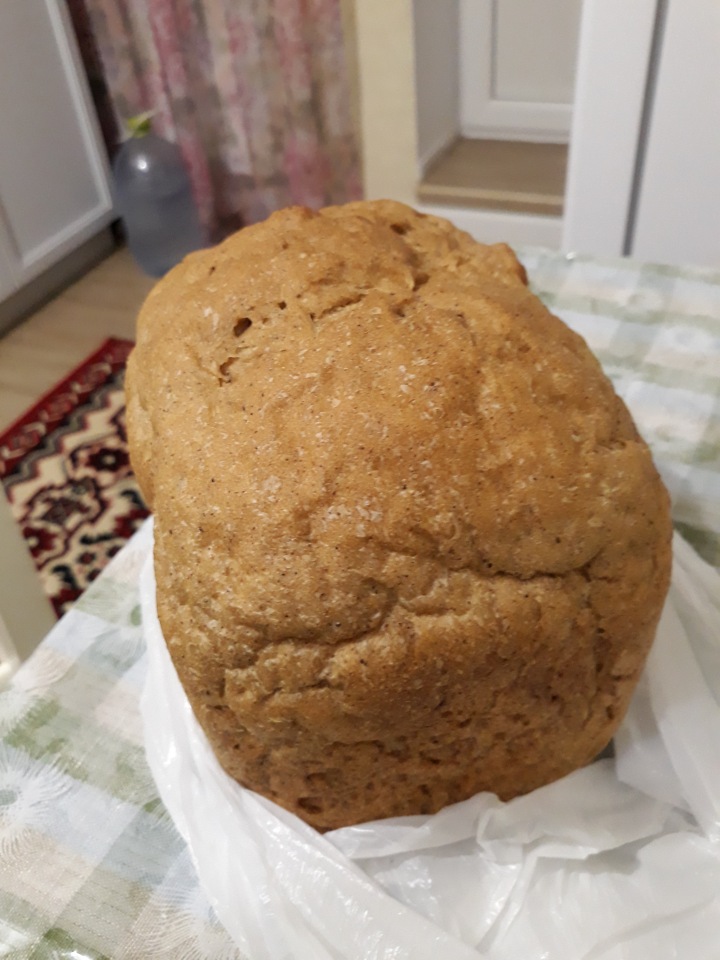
(677, 217)
(26, 615)
(616, 43)
(54, 184)
(8, 282)
(645, 146)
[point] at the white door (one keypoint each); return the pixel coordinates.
(54, 190)
(517, 68)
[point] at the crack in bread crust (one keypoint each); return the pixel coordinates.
(409, 544)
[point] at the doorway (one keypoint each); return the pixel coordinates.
(494, 86)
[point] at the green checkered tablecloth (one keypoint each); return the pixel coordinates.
(90, 864)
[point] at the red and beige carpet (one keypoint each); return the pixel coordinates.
(65, 470)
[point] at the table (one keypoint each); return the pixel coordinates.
(90, 863)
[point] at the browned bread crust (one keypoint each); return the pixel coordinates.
(408, 543)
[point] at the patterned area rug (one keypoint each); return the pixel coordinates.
(65, 469)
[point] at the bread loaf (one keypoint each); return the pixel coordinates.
(408, 542)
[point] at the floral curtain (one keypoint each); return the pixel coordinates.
(254, 92)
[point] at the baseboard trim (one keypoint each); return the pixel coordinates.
(496, 226)
(514, 201)
(55, 279)
(434, 152)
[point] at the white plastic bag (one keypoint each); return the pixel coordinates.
(618, 860)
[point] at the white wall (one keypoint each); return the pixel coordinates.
(386, 82)
(436, 76)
